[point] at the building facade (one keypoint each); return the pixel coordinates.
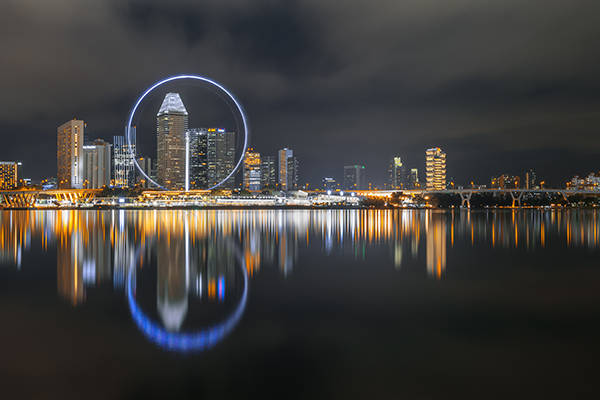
(124, 160)
(413, 179)
(69, 156)
(96, 164)
(9, 176)
(435, 169)
(252, 170)
(147, 165)
(171, 125)
(397, 173)
(220, 156)
(198, 161)
(268, 172)
(505, 181)
(354, 177)
(288, 169)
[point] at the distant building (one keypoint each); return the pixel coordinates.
(220, 156)
(329, 183)
(252, 169)
(96, 164)
(146, 164)
(198, 158)
(354, 177)
(413, 179)
(268, 172)
(590, 182)
(530, 179)
(123, 160)
(70, 154)
(171, 125)
(505, 181)
(288, 169)
(397, 173)
(9, 178)
(435, 167)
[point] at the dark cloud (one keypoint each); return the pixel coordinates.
(500, 86)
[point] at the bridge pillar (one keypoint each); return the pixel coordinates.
(516, 199)
(465, 199)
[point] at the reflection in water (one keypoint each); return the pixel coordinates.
(192, 249)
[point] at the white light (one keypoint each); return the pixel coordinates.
(121, 200)
(200, 78)
(329, 193)
(352, 194)
(341, 193)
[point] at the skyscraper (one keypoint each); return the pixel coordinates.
(268, 172)
(252, 170)
(288, 169)
(397, 173)
(435, 160)
(354, 177)
(69, 154)
(124, 160)
(413, 178)
(198, 158)
(146, 165)
(530, 179)
(220, 157)
(96, 164)
(8, 175)
(171, 125)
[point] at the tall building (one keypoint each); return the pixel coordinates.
(123, 160)
(198, 158)
(292, 173)
(96, 164)
(413, 178)
(146, 165)
(171, 125)
(397, 173)
(288, 169)
(268, 172)
(252, 170)
(211, 158)
(354, 177)
(69, 154)
(9, 178)
(435, 167)
(220, 157)
(530, 179)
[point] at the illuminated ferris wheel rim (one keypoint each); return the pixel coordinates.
(217, 85)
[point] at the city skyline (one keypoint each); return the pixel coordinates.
(495, 108)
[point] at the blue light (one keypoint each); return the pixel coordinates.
(186, 342)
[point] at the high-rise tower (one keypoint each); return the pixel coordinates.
(69, 155)
(171, 125)
(435, 160)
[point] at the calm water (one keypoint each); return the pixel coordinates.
(299, 304)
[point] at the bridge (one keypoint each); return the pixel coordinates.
(465, 194)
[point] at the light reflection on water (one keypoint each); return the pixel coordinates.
(195, 258)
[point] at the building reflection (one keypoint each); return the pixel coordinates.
(189, 248)
(436, 244)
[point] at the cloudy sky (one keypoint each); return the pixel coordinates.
(501, 86)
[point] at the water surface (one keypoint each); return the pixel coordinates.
(299, 304)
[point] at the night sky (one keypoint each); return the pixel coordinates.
(501, 86)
